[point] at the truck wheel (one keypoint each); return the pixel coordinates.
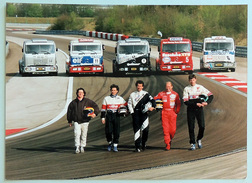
(115, 72)
(232, 69)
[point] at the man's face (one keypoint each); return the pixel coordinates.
(169, 86)
(192, 81)
(114, 91)
(139, 87)
(80, 94)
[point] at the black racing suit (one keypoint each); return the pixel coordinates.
(136, 103)
(191, 98)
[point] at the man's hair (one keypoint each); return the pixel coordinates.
(139, 82)
(79, 90)
(191, 76)
(114, 86)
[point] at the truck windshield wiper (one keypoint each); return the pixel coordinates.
(81, 52)
(46, 52)
(93, 51)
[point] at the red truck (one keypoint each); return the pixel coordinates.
(175, 55)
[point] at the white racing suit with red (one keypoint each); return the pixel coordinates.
(109, 112)
(171, 107)
(191, 97)
(136, 104)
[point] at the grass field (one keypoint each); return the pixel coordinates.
(88, 22)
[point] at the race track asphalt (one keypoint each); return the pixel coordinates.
(49, 153)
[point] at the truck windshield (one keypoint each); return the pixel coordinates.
(129, 49)
(219, 46)
(95, 48)
(176, 48)
(35, 49)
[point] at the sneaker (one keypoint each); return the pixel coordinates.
(77, 150)
(192, 147)
(82, 150)
(199, 144)
(115, 149)
(137, 150)
(109, 147)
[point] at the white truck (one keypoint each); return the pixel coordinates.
(39, 57)
(218, 54)
(132, 56)
(85, 57)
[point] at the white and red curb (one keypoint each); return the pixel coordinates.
(226, 80)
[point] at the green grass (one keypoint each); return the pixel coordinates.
(88, 22)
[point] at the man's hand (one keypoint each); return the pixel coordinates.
(103, 121)
(151, 108)
(204, 103)
(70, 124)
(93, 115)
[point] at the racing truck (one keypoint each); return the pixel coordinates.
(85, 57)
(132, 56)
(218, 54)
(39, 57)
(175, 55)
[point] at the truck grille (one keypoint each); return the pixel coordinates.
(40, 61)
(219, 57)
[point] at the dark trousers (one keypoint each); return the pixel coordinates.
(140, 124)
(199, 115)
(112, 127)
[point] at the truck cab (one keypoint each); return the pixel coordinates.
(39, 57)
(175, 55)
(218, 54)
(132, 56)
(85, 57)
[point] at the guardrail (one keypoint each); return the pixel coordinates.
(240, 51)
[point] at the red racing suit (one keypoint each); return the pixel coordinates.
(171, 107)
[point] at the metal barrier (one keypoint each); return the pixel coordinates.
(240, 51)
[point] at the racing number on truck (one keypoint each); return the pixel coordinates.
(96, 61)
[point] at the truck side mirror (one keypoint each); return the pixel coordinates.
(57, 49)
(68, 47)
(22, 49)
(103, 47)
(115, 49)
(158, 48)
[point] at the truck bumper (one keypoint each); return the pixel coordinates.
(132, 69)
(218, 66)
(40, 69)
(86, 69)
(175, 68)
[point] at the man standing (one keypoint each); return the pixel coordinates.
(110, 115)
(80, 111)
(139, 101)
(171, 107)
(196, 97)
